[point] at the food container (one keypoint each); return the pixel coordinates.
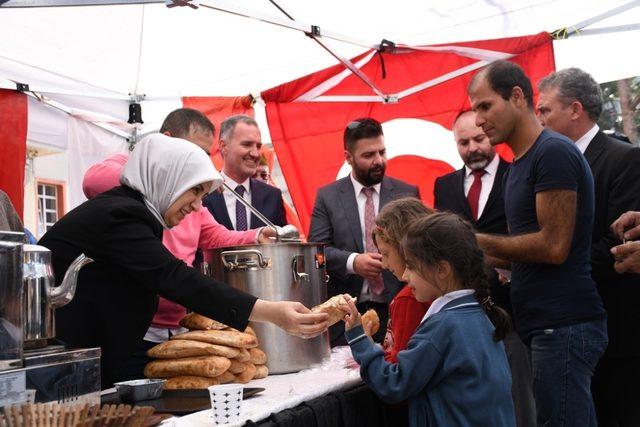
(135, 390)
(278, 272)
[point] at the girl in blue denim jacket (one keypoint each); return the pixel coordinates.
(454, 371)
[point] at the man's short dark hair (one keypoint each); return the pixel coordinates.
(361, 128)
(181, 122)
(229, 124)
(574, 84)
(503, 76)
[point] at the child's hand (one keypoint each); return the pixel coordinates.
(352, 318)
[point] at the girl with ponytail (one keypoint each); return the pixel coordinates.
(454, 370)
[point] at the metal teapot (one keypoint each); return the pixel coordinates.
(41, 296)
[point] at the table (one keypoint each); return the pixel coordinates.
(331, 394)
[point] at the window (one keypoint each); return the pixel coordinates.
(50, 205)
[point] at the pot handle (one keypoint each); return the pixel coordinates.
(243, 258)
(297, 264)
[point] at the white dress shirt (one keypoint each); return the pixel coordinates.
(230, 200)
(361, 200)
(487, 182)
(437, 305)
(583, 142)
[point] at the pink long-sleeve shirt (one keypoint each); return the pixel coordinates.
(197, 230)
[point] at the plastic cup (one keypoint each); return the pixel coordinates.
(226, 403)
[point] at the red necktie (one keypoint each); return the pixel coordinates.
(376, 285)
(474, 192)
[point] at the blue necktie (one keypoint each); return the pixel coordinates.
(241, 211)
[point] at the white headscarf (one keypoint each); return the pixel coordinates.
(164, 168)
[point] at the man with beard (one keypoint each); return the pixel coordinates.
(343, 217)
(475, 191)
(475, 194)
(240, 144)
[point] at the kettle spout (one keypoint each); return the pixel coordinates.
(59, 296)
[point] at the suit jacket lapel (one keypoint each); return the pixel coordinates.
(495, 190)
(386, 192)
(459, 191)
(220, 209)
(595, 148)
(350, 205)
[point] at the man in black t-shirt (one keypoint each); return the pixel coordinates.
(549, 205)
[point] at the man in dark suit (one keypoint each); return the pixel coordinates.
(570, 103)
(482, 166)
(343, 217)
(475, 194)
(240, 143)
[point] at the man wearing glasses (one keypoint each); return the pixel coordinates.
(343, 217)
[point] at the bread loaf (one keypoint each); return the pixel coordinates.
(335, 307)
(228, 338)
(187, 348)
(258, 357)
(226, 377)
(189, 381)
(203, 366)
(243, 355)
(237, 367)
(261, 372)
(247, 374)
(371, 316)
(249, 330)
(200, 322)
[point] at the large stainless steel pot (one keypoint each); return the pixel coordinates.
(277, 272)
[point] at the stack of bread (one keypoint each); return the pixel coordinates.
(209, 354)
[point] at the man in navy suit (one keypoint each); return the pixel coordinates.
(570, 103)
(342, 217)
(240, 144)
(475, 194)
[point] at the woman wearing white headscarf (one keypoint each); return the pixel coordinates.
(164, 180)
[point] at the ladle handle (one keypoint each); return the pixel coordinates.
(255, 211)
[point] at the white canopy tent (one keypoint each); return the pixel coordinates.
(90, 62)
(96, 59)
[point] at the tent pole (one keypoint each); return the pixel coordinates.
(63, 108)
(233, 9)
(576, 29)
(316, 35)
(53, 3)
(609, 30)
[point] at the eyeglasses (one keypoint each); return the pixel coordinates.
(264, 175)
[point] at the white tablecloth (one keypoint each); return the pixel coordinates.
(287, 391)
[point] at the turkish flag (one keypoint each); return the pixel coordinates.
(217, 109)
(307, 131)
(13, 145)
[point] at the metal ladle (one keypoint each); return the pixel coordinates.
(288, 233)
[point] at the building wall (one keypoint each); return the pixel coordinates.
(50, 167)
